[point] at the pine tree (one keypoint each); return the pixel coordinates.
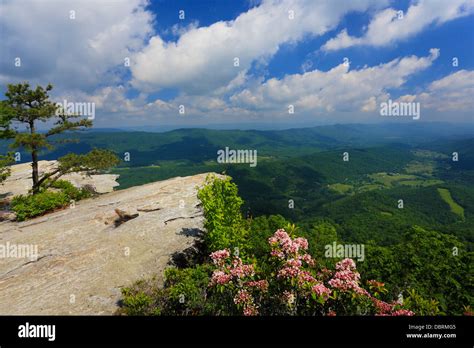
(21, 112)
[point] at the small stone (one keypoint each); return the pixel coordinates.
(7, 216)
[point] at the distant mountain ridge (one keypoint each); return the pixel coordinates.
(199, 144)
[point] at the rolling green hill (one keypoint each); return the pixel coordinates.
(302, 176)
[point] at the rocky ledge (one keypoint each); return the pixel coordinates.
(87, 253)
(19, 182)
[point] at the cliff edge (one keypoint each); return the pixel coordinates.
(87, 253)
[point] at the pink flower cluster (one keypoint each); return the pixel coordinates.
(346, 264)
(246, 300)
(233, 272)
(321, 290)
(347, 278)
(226, 272)
(404, 312)
(384, 308)
(220, 277)
(220, 256)
(288, 272)
(304, 277)
(239, 270)
(290, 269)
(297, 279)
(283, 245)
(261, 285)
(292, 251)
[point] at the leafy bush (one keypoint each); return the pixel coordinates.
(184, 294)
(422, 306)
(30, 206)
(136, 303)
(224, 223)
(186, 290)
(70, 190)
(295, 286)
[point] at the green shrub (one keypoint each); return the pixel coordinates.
(136, 303)
(225, 225)
(30, 206)
(186, 290)
(184, 294)
(420, 305)
(70, 190)
(141, 298)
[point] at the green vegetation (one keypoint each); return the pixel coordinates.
(23, 109)
(5, 161)
(455, 208)
(431, 270)
(30, 206)
(71, 191)
(420, 167)
(357, 202)
(45, 201)
(302, 180)
(389, 180)
(20, 115)
(184, 293)
(224, 224)
(341, 188)
(436, 265)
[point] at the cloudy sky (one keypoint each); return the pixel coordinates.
(230, 61)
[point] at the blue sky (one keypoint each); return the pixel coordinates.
(290, 53)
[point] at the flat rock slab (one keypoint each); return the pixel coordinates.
(19, 182)
(84, 258)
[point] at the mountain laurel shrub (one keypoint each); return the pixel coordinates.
(293, 284)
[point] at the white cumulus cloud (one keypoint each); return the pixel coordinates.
(454, 92)
(339, 89)
(202, 59)
(388, 26)
(73, 44)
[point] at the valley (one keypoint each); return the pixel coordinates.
(302, 178)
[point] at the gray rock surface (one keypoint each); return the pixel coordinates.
(19, 181)
(85, 258)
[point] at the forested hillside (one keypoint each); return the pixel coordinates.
(336, 183)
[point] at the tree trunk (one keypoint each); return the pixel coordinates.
(34, 165)
(34, 161)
